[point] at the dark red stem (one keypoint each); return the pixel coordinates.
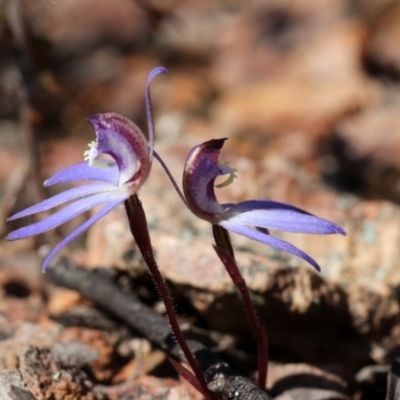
(139, 228)
(225, 252)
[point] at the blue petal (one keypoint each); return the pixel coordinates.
(154, 72)
(251, 205)
(63, 197)
(66, 214)
(84, 172)
(149, 111)
(286, 220)
(91, 221)
(268, 240)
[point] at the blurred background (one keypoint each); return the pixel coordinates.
(308, 94)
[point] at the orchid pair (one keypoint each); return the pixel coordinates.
(115, 181)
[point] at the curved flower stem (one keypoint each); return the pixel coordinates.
(225, 252)
(171, 178)
(139, 229)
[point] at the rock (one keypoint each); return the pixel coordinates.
(11, 386)
(369, 10)
(75, 353)
(150, 387)
(179, 36)
(381, 49)
(67, 24)
(23, 334)
(46, 377)
(370, 164)
(21, 394)
(95, 342)
(323, 83)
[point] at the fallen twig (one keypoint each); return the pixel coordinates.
(393, 386)
(220, 377)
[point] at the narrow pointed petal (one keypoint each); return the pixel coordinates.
(149, 111)
(82, 228)
(63, 197)
(85, 172)
(287, 220)
(154, 72)
(67, 213)
(268, 240)
(251, 205)
(122, 139)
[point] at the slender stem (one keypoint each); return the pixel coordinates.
(139, 229)
(171, 178)
(225, 252)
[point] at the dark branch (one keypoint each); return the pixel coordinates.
(393, 387)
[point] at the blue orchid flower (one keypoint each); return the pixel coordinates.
(111, 182)
(251, 218)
